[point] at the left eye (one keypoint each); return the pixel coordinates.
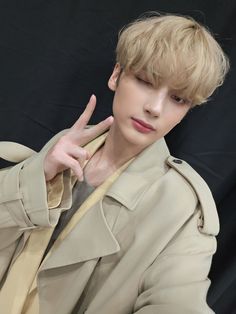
(179, 100)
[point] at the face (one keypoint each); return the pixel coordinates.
(143, 113)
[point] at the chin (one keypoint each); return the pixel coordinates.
(138, 140)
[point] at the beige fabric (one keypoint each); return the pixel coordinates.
(14, 152)
(17, 285)
(32, 306)
(145, 247)
(38, 240)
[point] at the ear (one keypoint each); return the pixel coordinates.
(112, 82)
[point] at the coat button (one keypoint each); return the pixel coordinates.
(177, 161)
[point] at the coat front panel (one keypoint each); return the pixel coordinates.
(146, 234)
(140, 249)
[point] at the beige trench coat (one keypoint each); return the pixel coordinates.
(145, 247)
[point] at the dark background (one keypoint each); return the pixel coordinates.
(55, 54)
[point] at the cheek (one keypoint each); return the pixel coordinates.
(116, 105)
(173, 120)
(179, 113)
(121, 103)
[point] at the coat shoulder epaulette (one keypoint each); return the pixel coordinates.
(210, 220)
(14, 152)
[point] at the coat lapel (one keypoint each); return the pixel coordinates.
(91, 238)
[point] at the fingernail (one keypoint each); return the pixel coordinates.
(110, 119)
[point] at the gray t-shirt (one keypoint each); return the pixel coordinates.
(81, 191)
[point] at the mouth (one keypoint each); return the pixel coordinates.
(142, 126)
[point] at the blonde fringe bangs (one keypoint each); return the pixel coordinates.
(176, 50)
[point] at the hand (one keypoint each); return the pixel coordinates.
(67, 152)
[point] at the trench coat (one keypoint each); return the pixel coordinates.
(146, 247)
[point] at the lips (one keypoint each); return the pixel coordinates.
(144, 124)
(141, 126)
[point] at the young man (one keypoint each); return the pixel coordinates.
(113, 223)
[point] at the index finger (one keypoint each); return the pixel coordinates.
(98, 129)
(86, 115)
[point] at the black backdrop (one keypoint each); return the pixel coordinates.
(55, 53)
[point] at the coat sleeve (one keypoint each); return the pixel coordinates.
(177, 281)
(24, 204)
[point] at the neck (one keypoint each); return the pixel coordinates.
(116, 150)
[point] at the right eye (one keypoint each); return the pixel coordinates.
(143, 80)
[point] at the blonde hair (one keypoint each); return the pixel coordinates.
(176, 49)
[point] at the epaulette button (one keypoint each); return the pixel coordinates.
(177, 161)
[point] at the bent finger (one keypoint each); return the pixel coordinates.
(79, 153)
(73, 164)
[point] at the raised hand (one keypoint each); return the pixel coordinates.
(67, 152)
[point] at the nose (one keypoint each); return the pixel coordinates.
(155, 104)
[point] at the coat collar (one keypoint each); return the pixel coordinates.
(147, 167)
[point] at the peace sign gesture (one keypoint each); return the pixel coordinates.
(67, 152)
